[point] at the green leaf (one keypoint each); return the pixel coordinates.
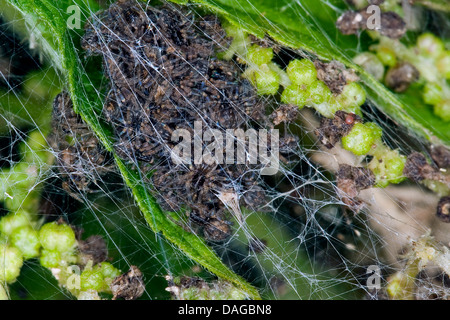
(309, 25)
(49, 18)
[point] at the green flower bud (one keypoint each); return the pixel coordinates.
(442, 110)
(295, 95)
(284, 79)
(443, 64)
(15, 202)
(395, 166)
(35, 148)
(23, 175)
(328, 109)
(239, 45)
(371, 64)
(360, 139)
(429, 45)
(13, 221)
(259, 55)
(26, 239)
(42, 84)
(301, 72)
(376, 129)
(233, 31)
(92, 280)
(11, 262)
(353, 95)
(267, 80)
(319, 92)
(58, 237)
(387, 56)
(50, 258)
(432, 93)
(108, 271)
(388, 168)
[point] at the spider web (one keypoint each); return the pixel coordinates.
(302, 243)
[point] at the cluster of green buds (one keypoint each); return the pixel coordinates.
(19, 236)
(436, 93)
(364, 139)
(306, 90)
(24, 235)
(55, 245)
(428, 56)
(299, 85)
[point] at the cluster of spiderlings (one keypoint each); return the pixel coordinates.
(301, 87)
(427, 63)
(80, 158)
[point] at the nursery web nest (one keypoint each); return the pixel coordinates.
(165, 77)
